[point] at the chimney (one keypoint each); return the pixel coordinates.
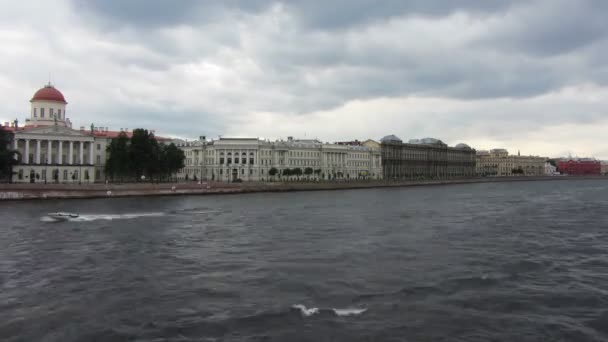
(16, 123)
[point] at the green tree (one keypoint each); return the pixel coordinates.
(143, 154)
(8, 157)
(297, 172)
(118, 164)
(308, 171)
(171, 160)
(273, 172)
(287, 172)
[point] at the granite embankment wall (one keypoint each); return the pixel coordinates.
(49, 191)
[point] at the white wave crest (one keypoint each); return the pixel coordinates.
(306, 312)
(349, 312)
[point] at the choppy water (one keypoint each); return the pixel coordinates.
(483, 262)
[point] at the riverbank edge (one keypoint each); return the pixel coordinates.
(17, 192)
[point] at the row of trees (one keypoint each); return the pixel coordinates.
(142, 157)
(8, 157)
(294, 172)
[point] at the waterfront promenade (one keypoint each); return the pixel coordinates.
(50, 191)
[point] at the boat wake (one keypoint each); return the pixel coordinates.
(107, 217)
(307, 312)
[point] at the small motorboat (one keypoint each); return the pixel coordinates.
(62, 216)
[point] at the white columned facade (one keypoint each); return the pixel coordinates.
(49, 156)
(37, 151)
(27, 151)
(60, 153)
(81, 154)
(91, 152)
(71, 153)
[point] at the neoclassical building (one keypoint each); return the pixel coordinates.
(425, 158)
(252, 159)
(51, 151)
(498, 162)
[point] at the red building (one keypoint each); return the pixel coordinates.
(579, 166)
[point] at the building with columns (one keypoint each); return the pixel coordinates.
(426, 158)
(498, 162)
(51, 151)
(252, 159)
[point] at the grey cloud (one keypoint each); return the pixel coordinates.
(546, 28)
(342, 14)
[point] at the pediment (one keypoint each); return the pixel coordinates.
(53, 131)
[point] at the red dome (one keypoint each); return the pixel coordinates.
(48, 93)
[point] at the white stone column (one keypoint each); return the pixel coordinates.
(49, 156)
(15, 144)
(60, 153)
(81, 154)
(91, 144)
(71, 153)
(27, 151)
(37, 151)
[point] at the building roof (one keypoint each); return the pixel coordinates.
(48, 93)
(463, 146)
(391, 139)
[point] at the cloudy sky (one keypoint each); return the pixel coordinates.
(524, 75)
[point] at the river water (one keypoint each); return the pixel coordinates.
(521, 261)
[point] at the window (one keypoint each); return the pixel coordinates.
(242, 171)
(98, 160)
(250, 172)
(20, 174)
(50, 112)
(221, 160)
(98, 147)
(59, 113)
(229, 160)
(251, 160)
(35, 112)
(221, 171)
(41, 112)
(243, 160)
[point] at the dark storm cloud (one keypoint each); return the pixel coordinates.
(551, 27)
(342, 14)
(160, 13)
(194, 67)
(316, 14)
